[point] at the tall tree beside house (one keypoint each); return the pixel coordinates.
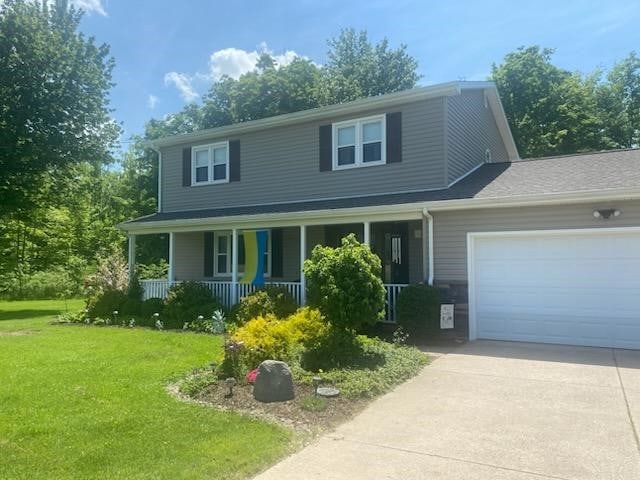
(54, 85)
(356, 68)
(619, 102)
(550, 110)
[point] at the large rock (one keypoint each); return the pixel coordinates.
(274, 382)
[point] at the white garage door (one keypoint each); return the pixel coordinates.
(570, 287)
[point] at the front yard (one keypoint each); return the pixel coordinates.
(84, 402)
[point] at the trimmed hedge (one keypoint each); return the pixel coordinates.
(418, 310)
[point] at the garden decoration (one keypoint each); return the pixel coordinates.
(230, 383)
(316, 383)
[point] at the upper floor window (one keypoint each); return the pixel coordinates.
(359, 143)
(210, 164)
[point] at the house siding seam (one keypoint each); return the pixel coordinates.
(281, 165)
(471, 130)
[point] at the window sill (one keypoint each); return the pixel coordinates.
(205, 184)
(358, 165)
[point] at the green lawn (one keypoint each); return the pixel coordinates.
(90, 402)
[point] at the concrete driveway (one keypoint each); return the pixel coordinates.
(492, 410)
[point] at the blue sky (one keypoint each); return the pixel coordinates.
(168, 52)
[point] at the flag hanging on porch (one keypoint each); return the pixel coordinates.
(255, 246)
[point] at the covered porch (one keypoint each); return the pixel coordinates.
(215, 256)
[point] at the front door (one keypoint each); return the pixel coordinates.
(390, 243)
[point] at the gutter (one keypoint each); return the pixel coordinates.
(427, 231)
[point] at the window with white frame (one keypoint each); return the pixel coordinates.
(223, 254)
(359, 143)
(210, 164)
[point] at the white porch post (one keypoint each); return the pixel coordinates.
(303, 255)
(132, 255)
(367, 233)
(172, 266)
(234, 266)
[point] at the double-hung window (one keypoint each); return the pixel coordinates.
(223, 253)
(210, 164)
(359, 143)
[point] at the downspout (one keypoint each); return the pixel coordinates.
(427, 231)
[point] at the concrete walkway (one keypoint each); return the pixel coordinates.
(492, 410)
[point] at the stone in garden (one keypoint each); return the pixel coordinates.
(328, 392)
(274, 382)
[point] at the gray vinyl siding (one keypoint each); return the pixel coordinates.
(282, 165)
(471, 130)
(189, 256)
(451, 228)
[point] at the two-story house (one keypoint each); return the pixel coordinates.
(543, 250)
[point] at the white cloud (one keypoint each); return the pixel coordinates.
(183, 83)
(235, 61)
(152, 101)
(90, 6)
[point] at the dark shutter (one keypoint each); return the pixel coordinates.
(186, 167)
(394, 137)
(208, 254)
(234, 161)
(276, 253)
(325, 148)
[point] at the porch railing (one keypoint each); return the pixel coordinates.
(225, 292)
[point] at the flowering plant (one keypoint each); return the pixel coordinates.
(252, 375)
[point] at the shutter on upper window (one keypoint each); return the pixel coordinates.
(394, 137)
(276, 253)
(325, 148)
(186, 167)
(234, 161)
(208, 254)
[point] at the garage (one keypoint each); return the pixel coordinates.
(576, 287)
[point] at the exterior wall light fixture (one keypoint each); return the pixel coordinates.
(606, 213)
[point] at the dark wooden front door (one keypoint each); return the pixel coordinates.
(390, 241)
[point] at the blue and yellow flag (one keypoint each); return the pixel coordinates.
(255, 246)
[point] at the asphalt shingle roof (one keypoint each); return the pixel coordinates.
(599, 171)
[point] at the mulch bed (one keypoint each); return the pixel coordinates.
(289, 414)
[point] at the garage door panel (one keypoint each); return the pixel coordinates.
(577, 288)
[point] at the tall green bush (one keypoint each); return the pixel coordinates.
(186, 301)
(345, 284)
(418, 310)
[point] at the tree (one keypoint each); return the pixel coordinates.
(356, 68)
(619, 102)
(54, 113)
(550, 110)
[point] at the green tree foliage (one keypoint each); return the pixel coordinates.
(54, 85)
(345, 284)
(356, 68)
(553, 111)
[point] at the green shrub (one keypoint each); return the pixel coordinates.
(135, 290)
(418, 310)
(55, 283)
(214, 324)
(270, 300)
(345, 284)
(269, 338)
(335, 348)
(398, 364)
(186, 301)
(104, 304)
(131, 306)
(151, 306)
(153, 270)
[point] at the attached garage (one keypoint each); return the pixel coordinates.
(574, 286)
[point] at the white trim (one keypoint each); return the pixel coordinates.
(472, 236)
(210, 164)
(234, 265)
(132, 255)
(171, 274)
(303, 256)
(378, 213)
(358, 125)
(366, 226)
